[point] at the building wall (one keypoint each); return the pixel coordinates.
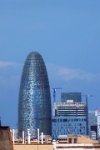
(57, 146)
(76, 142)
(33, 147)
(76, 147)
(81, 142)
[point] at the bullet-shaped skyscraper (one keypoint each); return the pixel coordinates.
(34, 108)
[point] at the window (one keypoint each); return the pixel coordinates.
(75, 140)
(70, 140)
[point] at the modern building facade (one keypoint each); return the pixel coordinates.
(98, 125)
(94, 124)
(69, 117)
(34, 108)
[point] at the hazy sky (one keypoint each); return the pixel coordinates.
(65, 32)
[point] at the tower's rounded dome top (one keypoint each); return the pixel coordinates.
(34, 55)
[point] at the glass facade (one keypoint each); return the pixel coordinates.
(65, 125)
(69, 118)
(34, 109)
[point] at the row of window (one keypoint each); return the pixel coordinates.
(68, 120)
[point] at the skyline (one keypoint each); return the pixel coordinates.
(65, 33)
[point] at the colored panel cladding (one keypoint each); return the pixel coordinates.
(34, 109)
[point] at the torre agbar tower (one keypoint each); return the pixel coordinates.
(34, 108)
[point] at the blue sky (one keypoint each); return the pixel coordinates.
(65, 32)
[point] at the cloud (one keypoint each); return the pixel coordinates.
(65, 73)
(55, 72)
(10, 73)
(4, 64)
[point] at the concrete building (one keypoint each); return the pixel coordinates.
(70, 142)
(73, 142)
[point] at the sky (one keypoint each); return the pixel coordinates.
(67, 35)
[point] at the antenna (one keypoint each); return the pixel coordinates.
(54, 93)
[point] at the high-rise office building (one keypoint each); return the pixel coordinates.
(69, 117)
(94, 124)
(34, 108)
